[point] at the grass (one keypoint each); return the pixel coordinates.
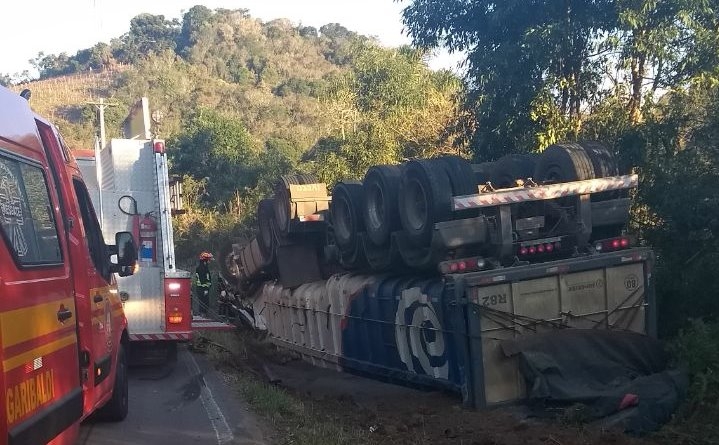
(696, 422)
(294, 421)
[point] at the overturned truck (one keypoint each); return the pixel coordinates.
(437, 272)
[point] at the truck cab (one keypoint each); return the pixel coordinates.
(63, 332)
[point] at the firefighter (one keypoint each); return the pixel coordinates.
(203, 281)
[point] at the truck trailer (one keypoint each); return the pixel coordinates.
(445, 274)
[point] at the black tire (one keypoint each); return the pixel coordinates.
(605, 165)
(563, 163)
(461, 178)
(381, 211)
(602, 159)
(307, 179)
(511, 167)
(283, 208)
(346, 208)
(266, 222)
(425, 198)
(482, 172)
(117, 407)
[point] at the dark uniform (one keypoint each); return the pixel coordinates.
(203, 281)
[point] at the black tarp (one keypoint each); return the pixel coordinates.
(619, 377)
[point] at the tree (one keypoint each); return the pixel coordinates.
(520, 55)
(101, 56)
(149, 34)
(218, 148)
(338, 40)
(193, 22)
(390, 106)
(53, 65)
(679, 150)
(537, 69)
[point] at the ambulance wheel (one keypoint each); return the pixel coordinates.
(116, 408)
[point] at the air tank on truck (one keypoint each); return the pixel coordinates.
(438, 271)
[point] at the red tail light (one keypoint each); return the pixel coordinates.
(312, 217)
(463, 265)
(612, 244)
(539, 247)
(159, 147)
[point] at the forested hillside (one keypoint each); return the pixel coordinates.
(244, 101)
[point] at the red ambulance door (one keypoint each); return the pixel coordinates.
(38, 317)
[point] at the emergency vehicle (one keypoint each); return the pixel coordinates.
(129, 183)
(63, 331)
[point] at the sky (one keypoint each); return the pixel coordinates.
(55, 26)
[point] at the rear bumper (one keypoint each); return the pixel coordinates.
(162, 336)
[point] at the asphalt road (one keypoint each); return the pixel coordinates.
(181, 403)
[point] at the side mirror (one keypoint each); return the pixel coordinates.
(126, 251)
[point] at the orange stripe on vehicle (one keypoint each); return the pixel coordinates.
(36, 342)
(21, 325)
(20, 359)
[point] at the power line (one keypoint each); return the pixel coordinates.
(101, 105)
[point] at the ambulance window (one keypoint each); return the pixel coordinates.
(26, 215)
(95, 242)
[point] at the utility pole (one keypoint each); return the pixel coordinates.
(101, 105)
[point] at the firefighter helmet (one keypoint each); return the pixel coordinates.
(206, 256)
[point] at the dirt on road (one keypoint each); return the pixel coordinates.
(368, 411)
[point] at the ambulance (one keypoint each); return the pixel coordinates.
(63, 331)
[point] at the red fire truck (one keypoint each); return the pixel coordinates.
(63, 331)
(130, 186)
